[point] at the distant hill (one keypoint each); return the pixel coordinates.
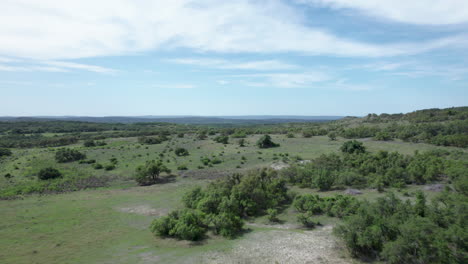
(181, 119)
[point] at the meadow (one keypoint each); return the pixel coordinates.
(109, 224)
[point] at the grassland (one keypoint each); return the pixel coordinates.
(110, 224)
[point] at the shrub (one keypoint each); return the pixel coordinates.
(383, 136)
(227, 224)
(68, 155)
(5, 152)
(109, 167)
(306, 220)
(272, 215)
(181, 152)
(97, 166)
(353, 147)
(89, 143)
(150, 140)
(222, 139)
(183, 224)
(49, 173)
(182, 167)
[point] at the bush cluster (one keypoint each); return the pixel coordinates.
(68, 155)
(397, 231)
(222, 204)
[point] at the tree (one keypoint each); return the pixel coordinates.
(353, 147)
(149, 173)
(332, 136)
(5, 152)
(241, 142)
(49, 173)
(181, 152)
(266, 142)
(68, 155)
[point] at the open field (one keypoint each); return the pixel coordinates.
(25, 163)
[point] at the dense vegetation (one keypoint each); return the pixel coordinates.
(357, 168)
(223, 204)
(398, 231)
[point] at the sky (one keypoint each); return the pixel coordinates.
(214, 57)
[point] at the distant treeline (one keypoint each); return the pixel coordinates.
(444, 127)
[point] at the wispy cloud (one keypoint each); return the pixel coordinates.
(416, 69)
(50, 66)
(60, 30)
(174, 86)
(267, 65)
(79, 66)
(283, 80)
(433, 12)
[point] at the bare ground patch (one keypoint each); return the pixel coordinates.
(143, 210)
(278, 246)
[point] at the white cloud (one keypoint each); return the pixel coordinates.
(50, 66)
(432, 12)
(55, 29)
(416, 69)
(79, 66)
(235, 65)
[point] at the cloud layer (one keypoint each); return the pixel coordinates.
(54, 29)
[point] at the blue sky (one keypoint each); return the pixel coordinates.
(207, 57)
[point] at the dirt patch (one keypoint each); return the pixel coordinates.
(143, 210)
(352, 192)
(279, 226)
(278, 246)
(434, 187)
(279, 166)
(148, 258)
(206, 174)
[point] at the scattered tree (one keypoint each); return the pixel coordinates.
(149, 173)
(266, 142)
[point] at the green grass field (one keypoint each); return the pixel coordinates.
(110, 224)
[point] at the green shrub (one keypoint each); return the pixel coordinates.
(353, 147)
(222, 139)
(182, 167)
(109, 167)
(227, 224)
(89, 143)
(5, 152)
(68, 155)
(272, 215)
(306, 220)
(181, 152)
(183, 224)
(49, 173)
